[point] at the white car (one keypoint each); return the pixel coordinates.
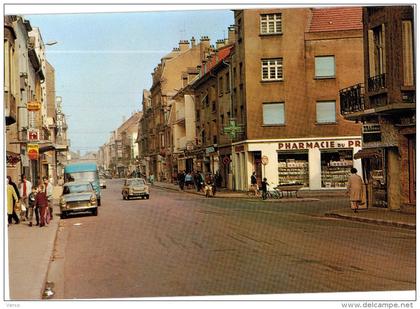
(102, 183)
(135, 187)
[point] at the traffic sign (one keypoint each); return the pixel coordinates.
(264, 160)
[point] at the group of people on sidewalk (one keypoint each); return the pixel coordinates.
(26, 200)
(199, 181)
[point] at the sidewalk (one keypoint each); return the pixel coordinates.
(30, 252)
(380, 216)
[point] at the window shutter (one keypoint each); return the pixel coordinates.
(407, 39)
(383, 45)
(371, 46)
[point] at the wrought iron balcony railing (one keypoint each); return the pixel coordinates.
(352, 99)
(376, 83)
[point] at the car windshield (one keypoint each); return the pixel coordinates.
(77, 188)
(88, 176)
(135, 182)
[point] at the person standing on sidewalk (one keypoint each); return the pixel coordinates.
(32, 208)
(264, 186)
(181, 180)
(15, 200)
(354, 189)
(49, 193)
(25, 189)
(11, 198)
(254, 186)
(41, 201)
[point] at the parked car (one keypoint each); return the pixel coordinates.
(102, 183)
(135, 187)
(78, 196)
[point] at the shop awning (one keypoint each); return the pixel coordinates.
(368, 153)
(12, 158)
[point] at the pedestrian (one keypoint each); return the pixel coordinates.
(11, 198)
(16, 201)
(25, 189)
(215, 179)
(197, 181)
(181, 180)
(41, 201)
(355, 189)
(49, 192)
(264, 187)
(189, 181)
(31, 206)
(254, 186)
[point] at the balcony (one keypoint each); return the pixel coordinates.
(352, 99)
(356, 104)
(377, 83)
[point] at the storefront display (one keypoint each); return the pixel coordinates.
(335, 167)
(293, 169)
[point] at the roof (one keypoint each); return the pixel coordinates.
(220, 55)
(336, 19)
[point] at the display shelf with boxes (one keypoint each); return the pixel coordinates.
(335, 174)
(293, 172)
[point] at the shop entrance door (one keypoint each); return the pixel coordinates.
(258, 166)
(412, 168)
(374, 172)
(189, 165)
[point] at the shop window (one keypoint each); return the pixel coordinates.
(273, 113)
(293, 168)
(325, 67)
(325, 112)
(335, 167)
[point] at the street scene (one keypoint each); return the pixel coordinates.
(271, 152)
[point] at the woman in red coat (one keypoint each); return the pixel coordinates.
(41, 201)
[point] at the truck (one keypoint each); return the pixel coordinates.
(84, 171)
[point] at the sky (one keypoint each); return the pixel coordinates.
(103, 61)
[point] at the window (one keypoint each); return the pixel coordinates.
(227, 79)
(220, 85)
(325, 112)
(325, 66)
(270, 23)
(272, 69)
(273, 113)
(376, 44)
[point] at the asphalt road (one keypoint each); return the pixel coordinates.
(180, 244)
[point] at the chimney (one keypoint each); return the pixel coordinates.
(204, 47)
(192, 42)
(231, 34)
(183, 45)
(220, 44)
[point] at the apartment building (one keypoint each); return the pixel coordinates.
(30, 112)
(385, 103)
(287, 68)
(167, 81)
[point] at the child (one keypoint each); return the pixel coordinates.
(32, 207)
(264, 188)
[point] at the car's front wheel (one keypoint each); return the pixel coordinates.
(63, 215)
(95, 211)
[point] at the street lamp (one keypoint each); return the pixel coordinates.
(50, 43)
